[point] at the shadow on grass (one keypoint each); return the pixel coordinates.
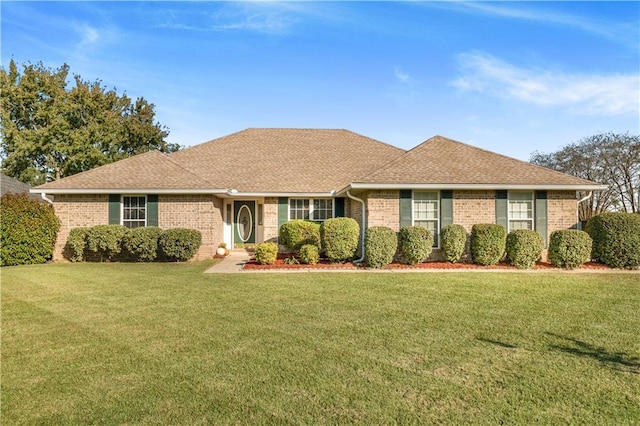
(620, 361)
(497, 343)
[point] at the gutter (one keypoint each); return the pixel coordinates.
(45, 198)
(362, 225)
(582, 200)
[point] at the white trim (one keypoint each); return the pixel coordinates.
(127, 191)
(312, 208)
(284, 194)
(468, 186)
(146, 215)
(533, 209)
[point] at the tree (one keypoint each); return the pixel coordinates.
(608, 158)
(50, 131)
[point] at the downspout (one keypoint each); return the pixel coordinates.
(362, 226)
(582, 200)
(45, 198)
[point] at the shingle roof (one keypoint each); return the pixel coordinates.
(151, 170)
(444, 161)
(286, 160)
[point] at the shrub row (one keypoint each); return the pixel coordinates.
(616, 239)
(116, 242)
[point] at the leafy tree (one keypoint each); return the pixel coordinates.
(51, 131)
(608, 158)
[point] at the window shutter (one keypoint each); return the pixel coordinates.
(502, 207)
(152, 210)
(338, 207)
(541, 215)
(405, 208)
(446, 208)
(283, 211)
(114, 209)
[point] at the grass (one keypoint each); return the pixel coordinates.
(164, 343)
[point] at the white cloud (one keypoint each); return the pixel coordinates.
(402, 76)
(611, 94)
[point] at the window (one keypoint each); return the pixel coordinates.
(520, 210)
(318, 209)
(134, 211)
(426, 213)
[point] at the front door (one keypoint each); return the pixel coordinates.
(244, 224)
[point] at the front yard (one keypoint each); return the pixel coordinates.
(167, 344)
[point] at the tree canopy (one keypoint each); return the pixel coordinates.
(50, 131)
(608, 158)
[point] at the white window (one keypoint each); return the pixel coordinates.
(317, 209)
(520, 210)
(426, 213)
(134, 211)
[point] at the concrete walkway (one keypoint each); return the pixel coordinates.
(230, 264)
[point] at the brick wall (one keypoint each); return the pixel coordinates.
(561, 210)
(383, 209)
(270, 218)
(472, 207)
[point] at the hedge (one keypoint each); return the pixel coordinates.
(380, 244)
(180, 244)
(453, 242)
(488, 243)
(296, 233)
(569, 248)
(309, 254)
(76, 244)
(142, 243)
(524, 248)
(415, 244)
(266, 253)
(28, 230)
(339, 237)
(105, 241)
(616, 239)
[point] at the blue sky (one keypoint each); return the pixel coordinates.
(510, 77)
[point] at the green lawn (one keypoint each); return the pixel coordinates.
(165, 343)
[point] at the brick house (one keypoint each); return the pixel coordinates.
(240, 188)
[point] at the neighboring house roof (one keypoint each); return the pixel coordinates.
(13, 186)
(443, 162)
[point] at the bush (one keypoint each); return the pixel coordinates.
(309, 254)
(179, 244)
(415, 243)
(380, 244)
(453, 242)
(77, 244)
(296, 233)
(266, 253)
(339, 238)
(488, 242)
(105, 241)
(616, 239)
(569, 248)
(524, 248)
(28, 230)
(142, 243)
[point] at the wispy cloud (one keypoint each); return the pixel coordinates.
(596, 94)
(401, 76)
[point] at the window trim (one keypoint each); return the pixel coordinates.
(311, 207)
(532, 220)
(436, 242)
(146, 215)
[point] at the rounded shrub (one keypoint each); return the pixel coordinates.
(488, 242)
(309, 254)
(380, 244)
(569, 248)
(524, 248)
(179, 244)
(266, 253)
(616, 239)
(105, 241)
(339, 237)
(76, 244)
(453, 240)
(415, 244)
(142, 243)
(296, 233)
(28, 230)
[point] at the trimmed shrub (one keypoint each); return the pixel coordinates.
(76, 244)
(266, 253)
(105, 241)
(296, 233)
(616, 239)
(309, 254)
(380, 244)
(415, 243)
(142, 243)
(179, 244)
(339, 238)
(453, 242)
(524, 248)
(569, 248)
(488, 242)
(28, 230)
